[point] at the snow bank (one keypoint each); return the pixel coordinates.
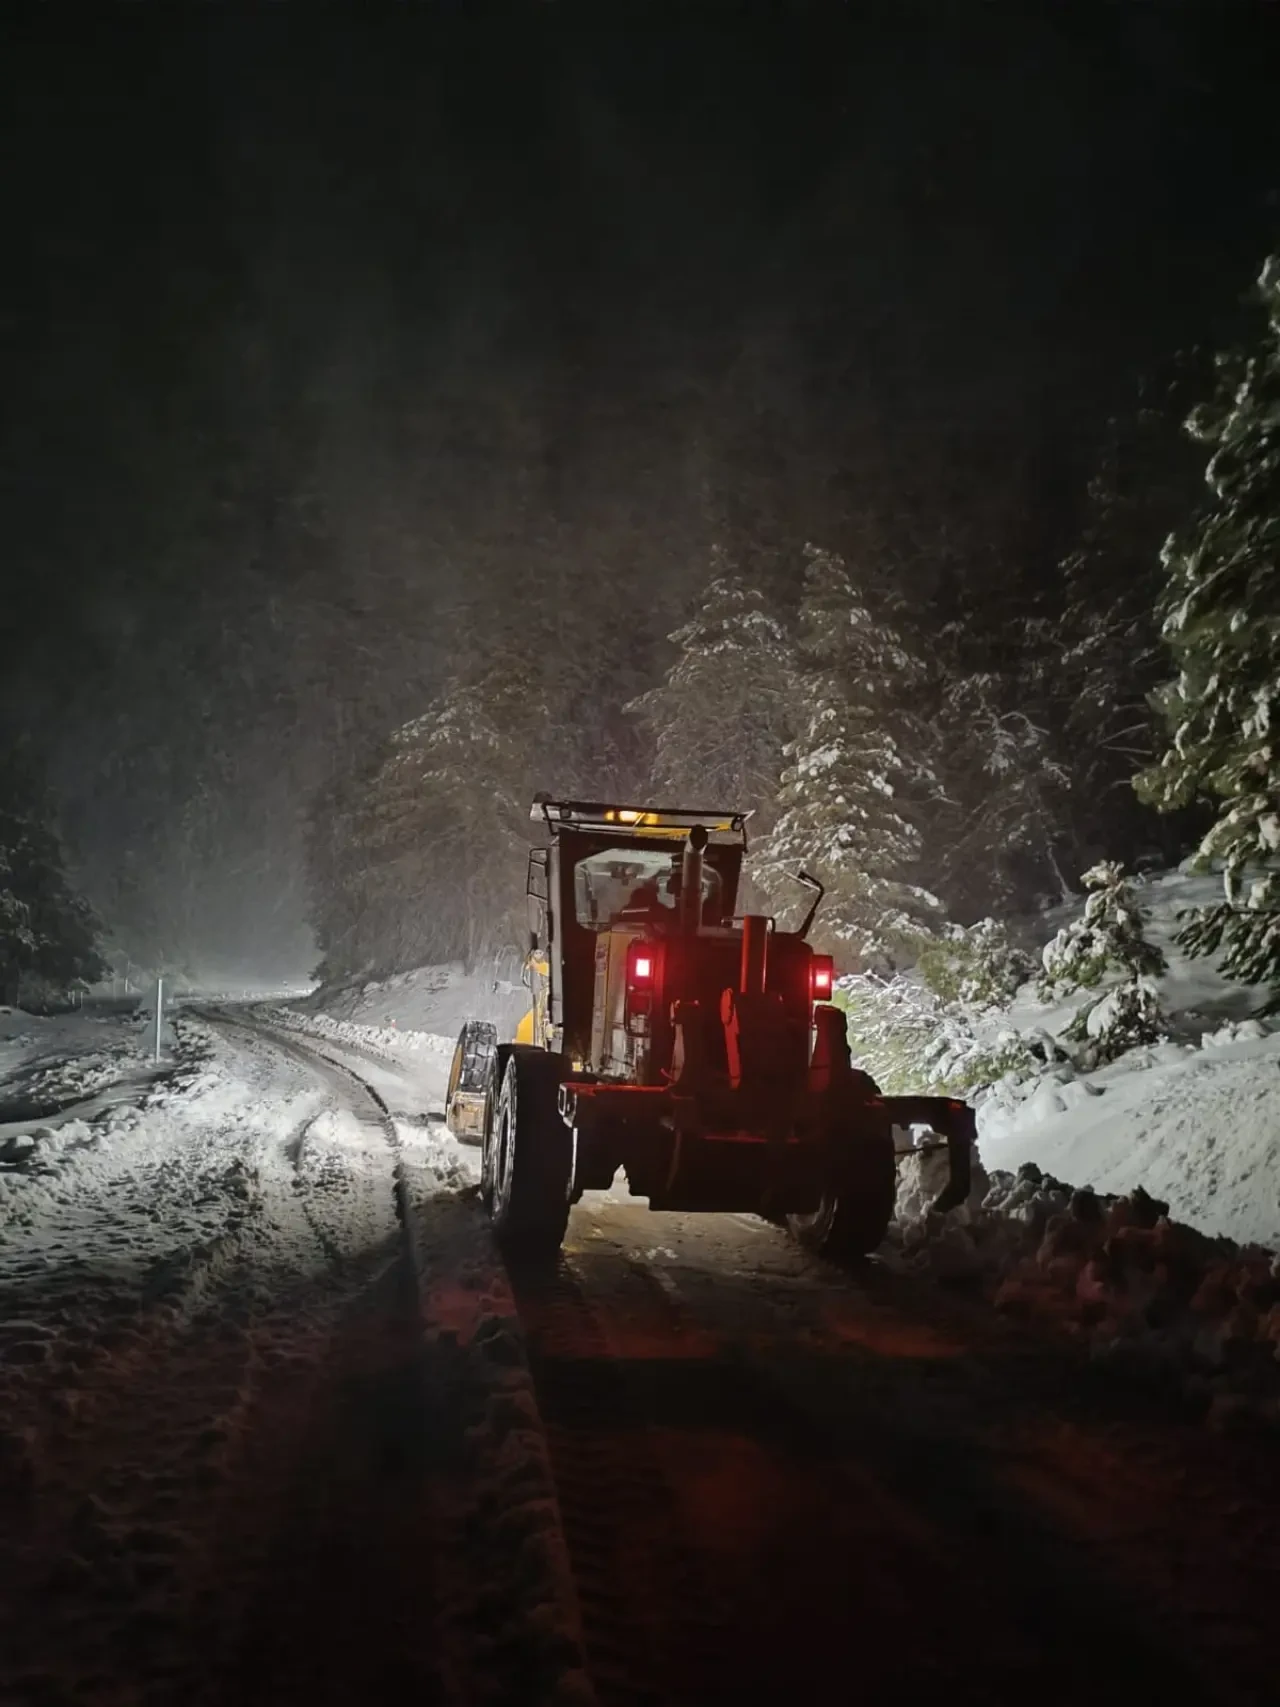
(390, 1042)
(1146, 1293)
(510, 1622)
(1194, 1120)
(1197, 1127)
(437, 1000)
(48, 1064)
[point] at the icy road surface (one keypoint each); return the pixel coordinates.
(276, 1428)
(774, 1475)
(213, 1437)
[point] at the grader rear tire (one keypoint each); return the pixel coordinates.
(529, 1157)
(851, 1222)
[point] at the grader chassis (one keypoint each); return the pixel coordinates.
(694, 1048)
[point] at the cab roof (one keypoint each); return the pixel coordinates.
(661, 823)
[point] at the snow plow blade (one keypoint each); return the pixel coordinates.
(955, 1122)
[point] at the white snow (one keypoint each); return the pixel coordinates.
(1195, 1120)
(1197, 1128)
(178, 1268)
(432, 1000)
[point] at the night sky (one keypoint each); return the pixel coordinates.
(318, 326)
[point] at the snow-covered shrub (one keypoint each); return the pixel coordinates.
(978, 966)
(1106, 938)
(908, 1040)
(1123, 1018)
(1107, 941)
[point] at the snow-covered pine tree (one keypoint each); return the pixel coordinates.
(1003, 795)
(854, 765)
(978, 966)
(1106, 939)
(721, 716)
(46, 929)
(418, 857)
(446, 817)
(1221, 610)
(1101, 657)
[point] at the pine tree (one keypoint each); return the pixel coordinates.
(421, 858)
(721, 717)
(1221, 610)
(1107, 939)
(1099, 660)
(46, 929)
(844, 802)
(999, 822)
(979, 966)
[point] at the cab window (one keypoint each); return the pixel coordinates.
(619, 886)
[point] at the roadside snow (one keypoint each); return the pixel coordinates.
(410, 1072)
(100, 1208)
(1199, 1128)
(1148, 1295)
(1195, 1120)
(189, 1279)
(49, 1066)
(437, 1000)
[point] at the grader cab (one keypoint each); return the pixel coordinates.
(693, 1047)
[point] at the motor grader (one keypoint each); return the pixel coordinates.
(693, 1047)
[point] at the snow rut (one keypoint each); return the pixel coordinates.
(454, 1536)
(179, 1287)
(657, 1628)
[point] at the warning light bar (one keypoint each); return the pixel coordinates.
(663, 822)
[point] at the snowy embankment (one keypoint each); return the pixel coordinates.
(199, 1277)
(432, 1000)
(51, 1064)
(1137, 1204)
(1195, 1121)
(408, 1069)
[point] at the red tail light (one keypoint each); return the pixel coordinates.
(822, 977)
(642, 978)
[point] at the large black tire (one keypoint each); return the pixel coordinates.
(493, 1089)
(472, 1066)
(852, 1221)
(529, 1157)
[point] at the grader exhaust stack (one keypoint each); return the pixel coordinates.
(691, 881)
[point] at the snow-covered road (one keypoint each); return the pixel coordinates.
(277, 1426)
(223, 1467)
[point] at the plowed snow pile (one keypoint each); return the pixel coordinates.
(1195, 1121)
(1198, 1127)
(1143, 1290)
(1138, 1204)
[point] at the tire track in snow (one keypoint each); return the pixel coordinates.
(490, 1552)
(150, 1454)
